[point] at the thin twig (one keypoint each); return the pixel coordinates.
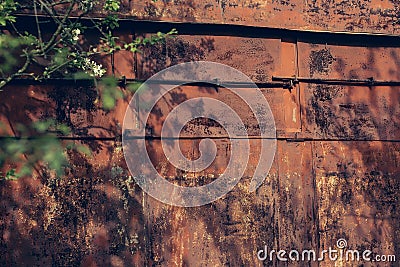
(16, 30)
(38, 26)
(59, 3)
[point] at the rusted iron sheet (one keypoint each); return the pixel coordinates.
(315, 193)
(124, 64)
(297, 196)
(374, 16)
(349, 62)
(78, 110)
(22, 105)
(206, 127)
(258, 58)
(77, 106)
(88, 214)
(229, 51)
(354, 113)
(345, 111)
(351, 16)
(290, 100)
(228, 231)
(107, 220)
(73, 105)
(358, 195)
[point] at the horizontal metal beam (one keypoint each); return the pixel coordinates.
(118, 138)
(125, 82)
(194, 28)
(278, 82)
(354, 82)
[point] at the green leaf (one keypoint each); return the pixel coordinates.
(84, 149)
(64, 129)
(112, 5)
(133, 87)
(11, 175)
(25, 170)
(81, 75)
(108, 101)
(41, 126)
(15, 147)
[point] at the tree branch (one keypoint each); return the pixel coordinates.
(38, 26)
(61, 24)
(18, 73)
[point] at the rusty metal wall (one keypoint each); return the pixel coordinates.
(336, 171)
(374, 16)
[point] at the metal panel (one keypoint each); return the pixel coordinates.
(257, 58)
(225, 232)
(297, 210)
(332, 186)
(352, 16)
(358, 195)
(350, 111)
(374, 16)
(206, 127)
(349, 62)
(67, 104)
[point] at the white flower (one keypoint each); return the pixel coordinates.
(92, 68)
(97, 70)
(86, 5)
(75, 34)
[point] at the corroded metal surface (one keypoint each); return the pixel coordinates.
(349, 62)
(257, 58)
(335, 173)
(346, 190)
(346, 111)
(352, 16)
(358, 186)
(373, 16)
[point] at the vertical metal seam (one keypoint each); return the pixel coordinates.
(298, 91)
(277, 153)
(316, 198)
